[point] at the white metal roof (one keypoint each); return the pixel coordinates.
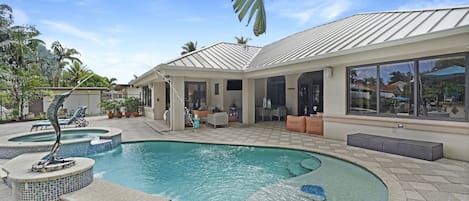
(220, 56)
(357, 31)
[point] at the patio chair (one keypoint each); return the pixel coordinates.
(217, 119)
(280, 112)
(79, 113)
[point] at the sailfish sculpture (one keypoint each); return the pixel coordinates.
(51, 158)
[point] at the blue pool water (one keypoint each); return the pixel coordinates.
(191, 171)
(66, 135)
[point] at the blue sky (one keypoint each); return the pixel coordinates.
(118, 38)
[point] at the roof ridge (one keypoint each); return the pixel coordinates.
(240, 44)
(415, 10)
(191, 53)
(204, 48)
(314, 27)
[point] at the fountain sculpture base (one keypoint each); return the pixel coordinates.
(41, 166)
(28, 185)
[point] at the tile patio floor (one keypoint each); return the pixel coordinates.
(412, 179)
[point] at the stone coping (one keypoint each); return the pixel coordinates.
(395, 191)
(4, 140)
(19, 168)
(101, 190)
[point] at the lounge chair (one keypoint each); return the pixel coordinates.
(218, 119)
(280, 112)
(78, 117)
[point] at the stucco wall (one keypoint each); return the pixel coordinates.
(455, 143)
(79, 98)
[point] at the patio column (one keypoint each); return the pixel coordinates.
(291, 93)
(159, 100)
(248, 101)
(177, 105)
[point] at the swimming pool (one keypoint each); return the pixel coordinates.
(191, 171)
(66, 135)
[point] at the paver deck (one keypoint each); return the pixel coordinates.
(414, 179)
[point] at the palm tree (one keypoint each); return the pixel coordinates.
(242, 7)
(77, 72)
(111, 82)
(64, 56)
(242, 40)
(189, 47)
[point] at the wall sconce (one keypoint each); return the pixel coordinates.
(328, 71)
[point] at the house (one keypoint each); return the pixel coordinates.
(338, 67)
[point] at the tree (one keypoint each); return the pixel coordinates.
(111, 82)
(189, 47)
(77, 72)
(20, 61)
(256, 7)
(242, 40)
(63, 56)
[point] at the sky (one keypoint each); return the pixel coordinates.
(123, 38)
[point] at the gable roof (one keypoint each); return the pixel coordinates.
(221, 56)
(358, 31)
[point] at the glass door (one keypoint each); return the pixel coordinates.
(310, 92)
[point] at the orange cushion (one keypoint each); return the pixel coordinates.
(314, 125)
(200, 113)
(296, 124)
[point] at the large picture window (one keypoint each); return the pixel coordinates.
(362, 92)
(396, 88)
(442, 89)
(433, 88)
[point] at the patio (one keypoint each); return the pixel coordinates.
(444, 179)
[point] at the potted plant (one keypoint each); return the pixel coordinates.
(119, 104)
(109, 106)
(132, 104)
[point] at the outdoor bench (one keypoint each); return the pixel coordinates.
(412, 148)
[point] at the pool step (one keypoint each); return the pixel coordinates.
(295, 169)
(311, 163)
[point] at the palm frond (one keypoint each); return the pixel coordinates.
(241, 7)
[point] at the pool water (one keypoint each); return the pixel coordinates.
(191, 171)
(66, 135)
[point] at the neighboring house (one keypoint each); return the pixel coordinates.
(121, 91)
(338, 67)
(82, 96)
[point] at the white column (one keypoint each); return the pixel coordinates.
(177, 103)
(291, 93)
(248, 101)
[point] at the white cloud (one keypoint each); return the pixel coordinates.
(307, 11)
(423, 4)
(78, 33)
(193, 19)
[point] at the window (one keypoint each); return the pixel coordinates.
(146, 96)
(396, 88)
(362, 90)
(442, 92)
(429, 88)
(217, 88)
